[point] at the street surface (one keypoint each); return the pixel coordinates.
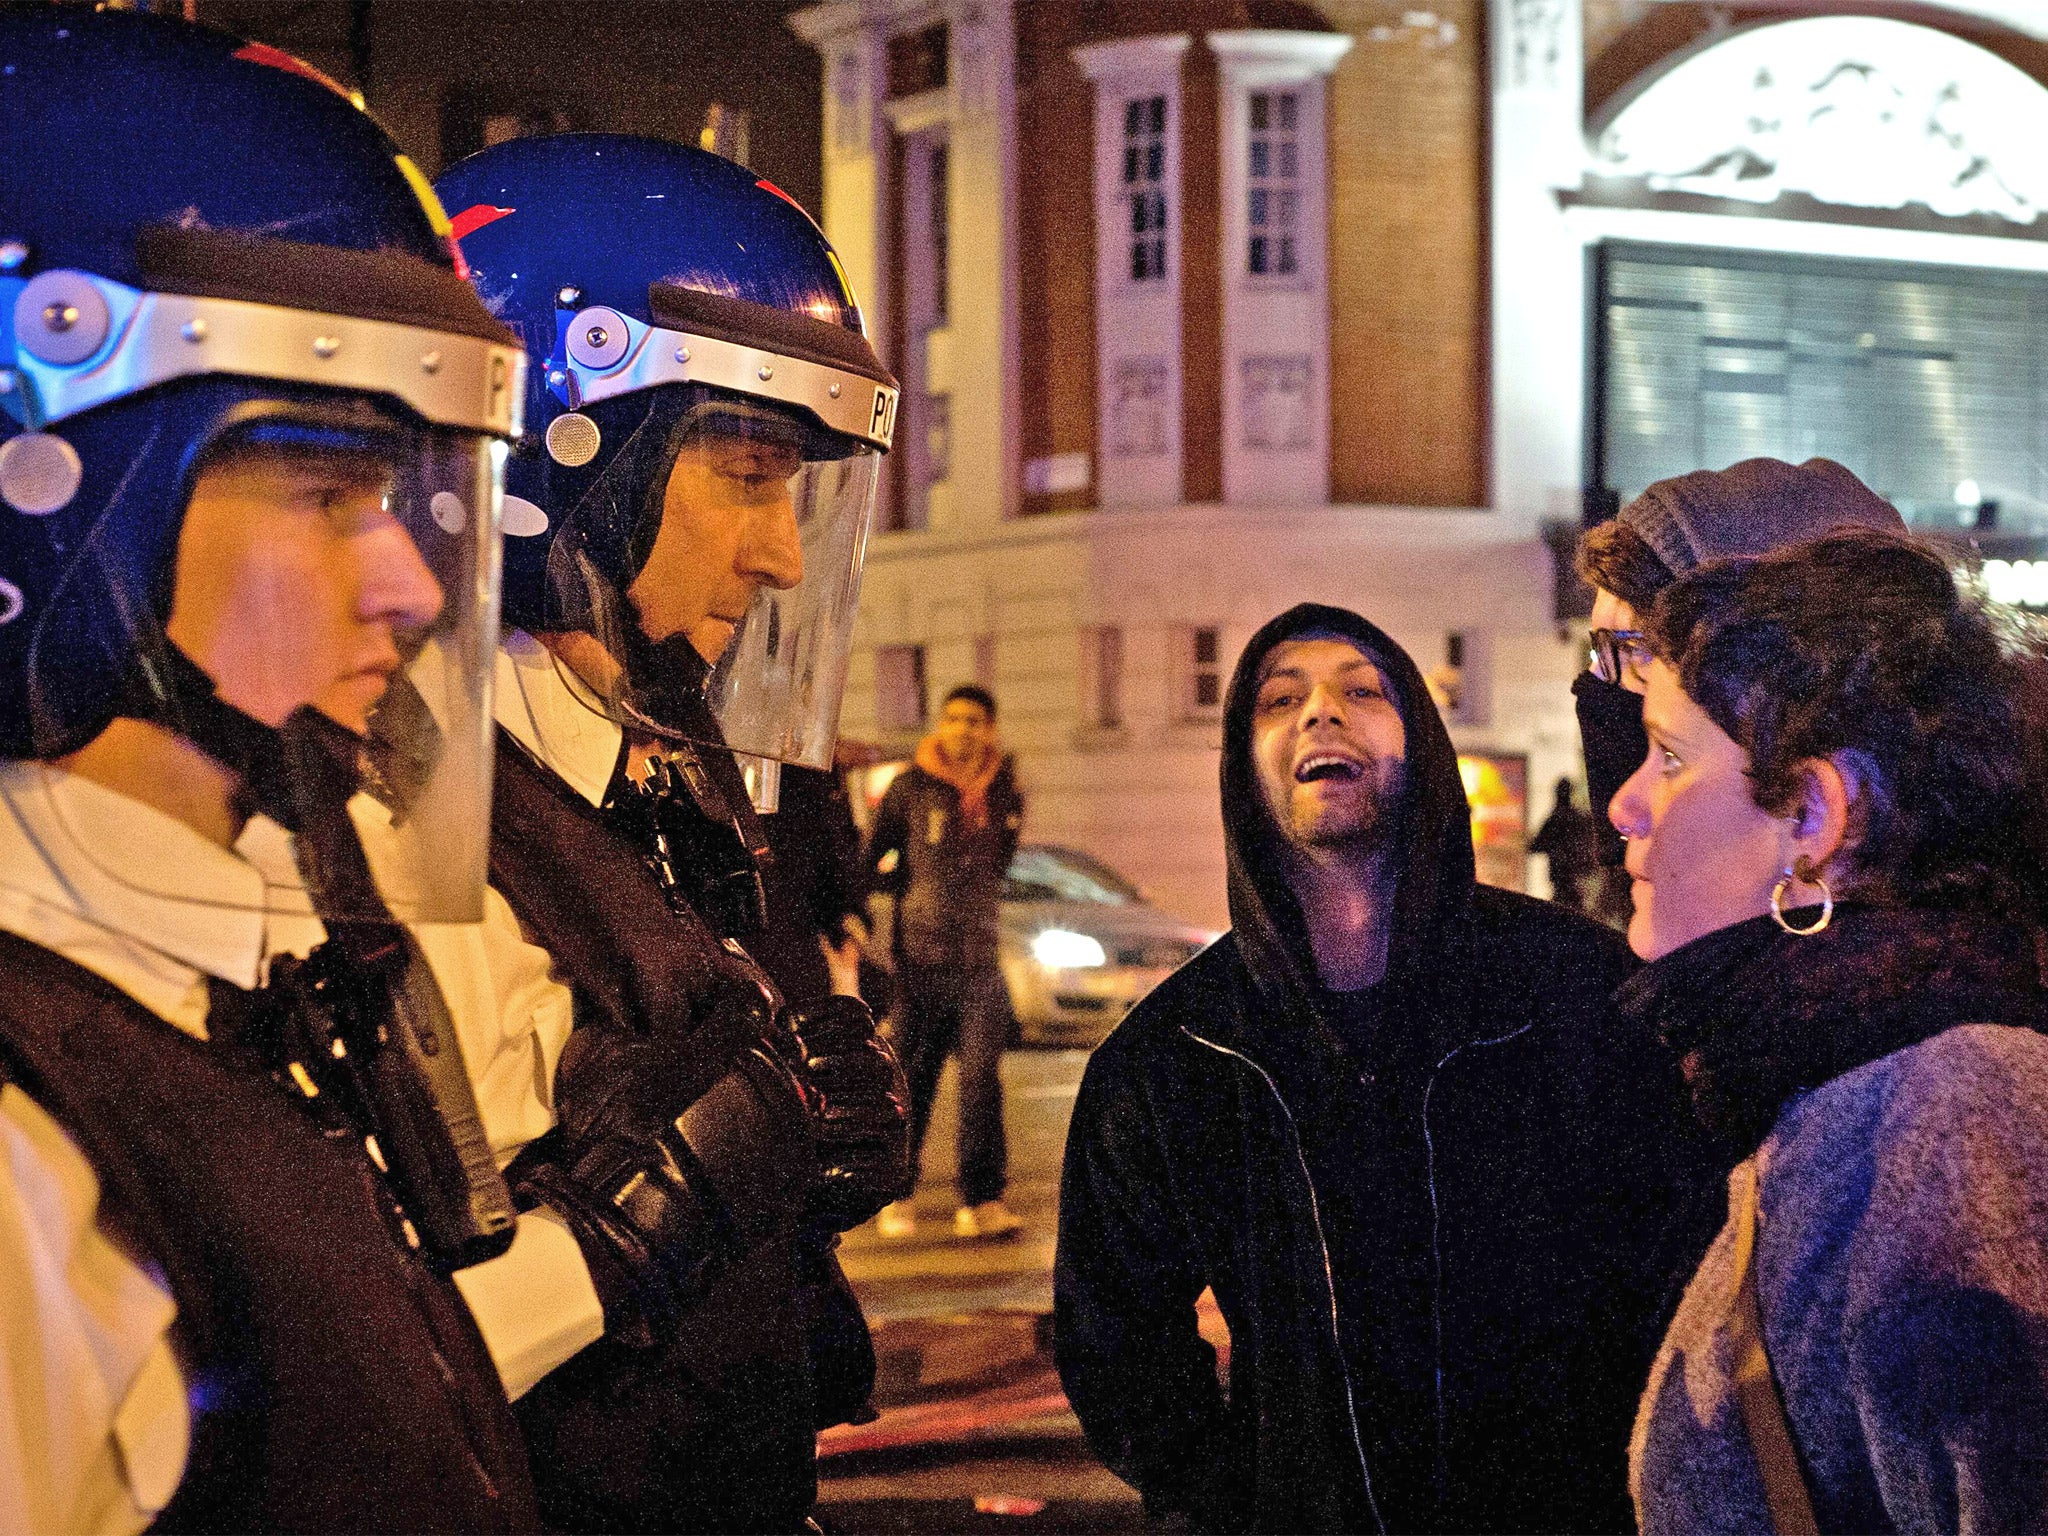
(971, 1405)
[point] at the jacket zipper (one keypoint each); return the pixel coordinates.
(1436, 1260)
(1329, 1279)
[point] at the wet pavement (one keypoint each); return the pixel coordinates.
(974, 1433)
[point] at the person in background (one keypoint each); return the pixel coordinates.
(1836, 844)
(684, 533)
(1566, 841)
(949, 826)
(817, 919)
(1748, 508)
(1390, 1122)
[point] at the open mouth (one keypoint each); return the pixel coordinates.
(1318, 766)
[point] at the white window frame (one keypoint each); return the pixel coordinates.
(1277, 189)
(1190, 668)
(892, 690)
(1137, 322)
(1273, 321)
(1103, 669)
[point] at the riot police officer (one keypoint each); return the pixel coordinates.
(251, 432)
(684, 535)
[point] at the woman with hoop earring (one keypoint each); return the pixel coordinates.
(1835, 845)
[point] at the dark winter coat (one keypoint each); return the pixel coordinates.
(948, 882)
(1442, 1249)
(1887, 1081)
(813, 884)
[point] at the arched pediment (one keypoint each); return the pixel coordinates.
(1858, 111)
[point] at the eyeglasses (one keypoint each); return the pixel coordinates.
(1619, 652)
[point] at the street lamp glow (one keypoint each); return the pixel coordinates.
(1968, 493)
(1061, 949)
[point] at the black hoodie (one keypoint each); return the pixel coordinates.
(1441, 1218)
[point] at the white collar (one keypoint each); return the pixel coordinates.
(533, 701)
(179, 909)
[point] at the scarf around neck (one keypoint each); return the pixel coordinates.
(971, 780)
(1758, 1016)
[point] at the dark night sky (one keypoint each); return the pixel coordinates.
(431, 69)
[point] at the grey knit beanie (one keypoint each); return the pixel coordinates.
(1752, 508)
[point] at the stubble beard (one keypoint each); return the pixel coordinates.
(1362, 824)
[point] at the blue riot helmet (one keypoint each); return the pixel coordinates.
(704, 407)
(207, 250)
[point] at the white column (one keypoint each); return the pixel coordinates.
(1537, 263)
(1276, 292)
(979, 370)
(1137, 270)
(856, 138)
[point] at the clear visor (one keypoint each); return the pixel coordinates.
(353, 573)
(736, 625)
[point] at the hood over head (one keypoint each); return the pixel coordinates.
(1433, 833)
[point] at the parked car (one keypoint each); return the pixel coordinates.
(1081, 945)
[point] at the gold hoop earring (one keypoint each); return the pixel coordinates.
(1827, 905)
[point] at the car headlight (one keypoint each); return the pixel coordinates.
(1062, 949)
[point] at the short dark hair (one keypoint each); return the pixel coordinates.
(1615, 558)
(973, 693)
(1867, 648)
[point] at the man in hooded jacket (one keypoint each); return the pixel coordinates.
(1391, 1122)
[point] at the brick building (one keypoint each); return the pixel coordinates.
(1203, 308)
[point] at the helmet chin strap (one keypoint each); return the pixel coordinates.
(374, 977)
(300, 774)
(668, 681)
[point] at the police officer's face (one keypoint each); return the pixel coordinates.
(728, 528)
(294, 583)
(1328, 743)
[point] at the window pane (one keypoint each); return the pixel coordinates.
(1285, 264)
(1257, 210)
(1258, 111)
(1134, 118)
(1207, 647)
(1158, 258)
(1261, 156)
(1288, 105)
(1258, 256)
(1155, 161)
(1289, 160)
(1156, 114)
(1287, 209)
(1208, 690)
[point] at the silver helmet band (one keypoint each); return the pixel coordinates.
(78, 341)
(610, 354)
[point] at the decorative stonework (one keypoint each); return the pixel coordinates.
(1140, 398)
(848, 96)
(1535, 43)
(1851, 110)
(973, 67)
(1278, 408)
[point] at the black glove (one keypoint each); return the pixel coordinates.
(664, 1186)
(860, 1113)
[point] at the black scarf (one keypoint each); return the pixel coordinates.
(1758, 1016)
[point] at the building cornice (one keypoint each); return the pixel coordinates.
(1132, 56)
(927, 109)
(835, 19)
(1276, 56)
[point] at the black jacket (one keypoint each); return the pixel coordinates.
(713, 1431)
(949, 881)
(336, 1383)
(814, 883)
(1443, 1242)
